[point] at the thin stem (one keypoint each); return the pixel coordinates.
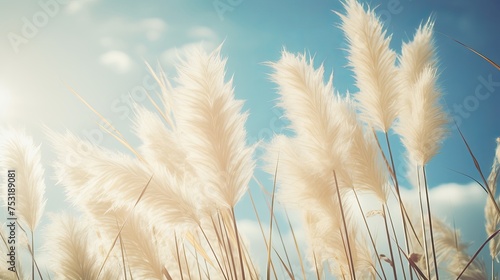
(430, 223)
(400, 204)
(397, 243)
(389, 242)
(369, 234)
(351, 262)
(238, 243)
(422, 218)
(32, 256)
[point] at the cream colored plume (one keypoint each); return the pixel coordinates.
(374, 65)
(18, 152)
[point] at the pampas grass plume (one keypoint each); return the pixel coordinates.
(490, 210)
(71, 250)
(373, 63)
(211, 127)
(422, 120)
(18, 152)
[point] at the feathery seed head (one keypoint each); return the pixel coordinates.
(373, 63)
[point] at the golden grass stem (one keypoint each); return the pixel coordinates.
(186, 261)
(389, 242)
(478, 167)
(430, 223)
(178, 256)
(123, 255)
(391, 222)
(369, 233)
(226, 246)
(238, 243)
(422, 219)
(316, 266)
(212, 249)
(283, 245)
(260, 226)
(269, 246)
(32, 256)
(351, 262)
(401, 206)
(474, 51)
(123, 225)
(288, 271)
(477, 252)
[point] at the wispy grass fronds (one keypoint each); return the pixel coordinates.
(122, 179)
(159, 144)
(452, 251)
(490, 210)
(316, 197)
(373, 63)
(211, 126)
(70, 166)
(327, 129)
(88, 172)
(139, 244)
(18, 152)
(422, 119)
(71, 249)
(310, 105)
(417, 55)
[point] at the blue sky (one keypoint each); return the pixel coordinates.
(99, 48)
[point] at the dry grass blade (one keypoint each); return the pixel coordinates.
(166, 274)
(222, 270)
(472, 178)
(344, 223)
(283, 244)
(316, 267)
(478, 168)
(288, 270)
(477, 253)
(369, 232)
(296, 245)
(198, 248)
(474, 51)
(389, 241)
(123, 225)
(113, 132)
(34, 262)
(163, 87)
(431, 230)
(391, 222)
(260, 226)
(238, 243)
(122, 251)
(179, 264)
(269, 246)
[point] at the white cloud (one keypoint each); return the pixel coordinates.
(203, 36)
(117, 60)
(153, 28)
(172, 55)
(202, 32)
(121, 33)
(75, 6)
